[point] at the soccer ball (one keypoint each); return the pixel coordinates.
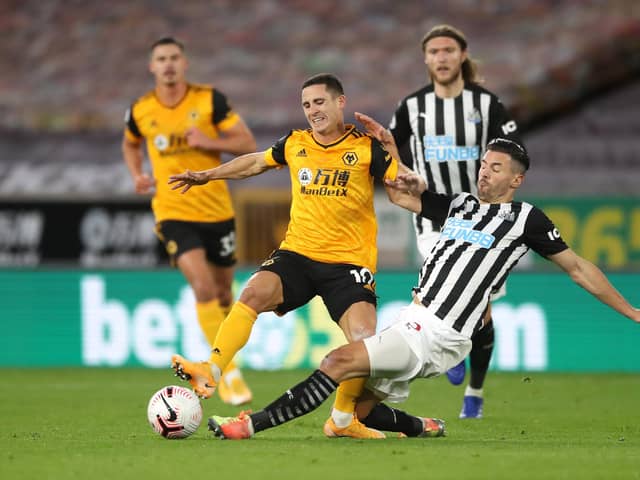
(174, 412)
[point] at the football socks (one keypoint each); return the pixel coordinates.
(480, 356)
(384, 417)
(210, 317)
(233, 334)
(295, 402)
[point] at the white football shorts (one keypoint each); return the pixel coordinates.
(417, 345)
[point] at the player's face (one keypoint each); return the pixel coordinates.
(168, 64)
(444, 59)
(323, 111)
(497, 181)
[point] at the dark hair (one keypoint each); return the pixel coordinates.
(469, 66)
(167, 41)
(511, 148)
(332, 83)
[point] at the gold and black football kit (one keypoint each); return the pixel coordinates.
(163, 128)
(330, 247)
(332, 186)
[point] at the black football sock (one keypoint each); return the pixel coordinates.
(295, 402)
(480, 355)
(384, 417)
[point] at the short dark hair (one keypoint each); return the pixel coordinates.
(511, 148)
(167, 41)
(332, 83)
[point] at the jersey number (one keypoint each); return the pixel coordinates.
(509, 127)
(363, 275)
(228, 244)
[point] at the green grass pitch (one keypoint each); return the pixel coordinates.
(91, 424)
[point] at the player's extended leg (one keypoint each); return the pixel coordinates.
(232, 387)
(199, 273)
(357, 322)
(262, 293)
(348, 361)
(383, 417)
(388, 351)
(479, 358)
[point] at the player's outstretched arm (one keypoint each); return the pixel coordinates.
(240, 167)
(380, 133)
(591, 278)
(406, 190)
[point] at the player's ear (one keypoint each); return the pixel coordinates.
(517, 181)
(342, 101)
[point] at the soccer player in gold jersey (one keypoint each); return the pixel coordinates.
(330, 245)
(187, 126)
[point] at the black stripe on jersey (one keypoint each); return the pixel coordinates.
(418, 147)
(477, 105)
(472, 265)
(502, 279)
(419, 223)
(461, 139)
(442, 275)
(419, 142)
(220, 107)
(491, 273)
(277, 149)
(131, 122)
(380, 160)
(444, 167)
(476, 298)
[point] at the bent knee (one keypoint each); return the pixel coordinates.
(261, 298)
(204, 291)
(225, 298)
(337, 363)
(347, 361)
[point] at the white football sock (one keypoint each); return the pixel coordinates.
(341, 419)
(473, 392)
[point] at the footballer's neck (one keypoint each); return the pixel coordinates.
(171, 94)
(330, 135)
(450, 89)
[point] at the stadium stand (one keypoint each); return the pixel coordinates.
(69, 73)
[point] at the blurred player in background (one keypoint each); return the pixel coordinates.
(187, 126)
(441, 132)
(330, 245)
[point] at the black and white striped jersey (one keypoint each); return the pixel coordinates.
(479, 244)
(443, 139)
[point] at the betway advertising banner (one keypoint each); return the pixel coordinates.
(139, 318)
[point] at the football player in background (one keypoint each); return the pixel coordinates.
(442, 130)
(188, 126)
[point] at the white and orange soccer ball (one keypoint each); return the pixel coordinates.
(174, 412)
